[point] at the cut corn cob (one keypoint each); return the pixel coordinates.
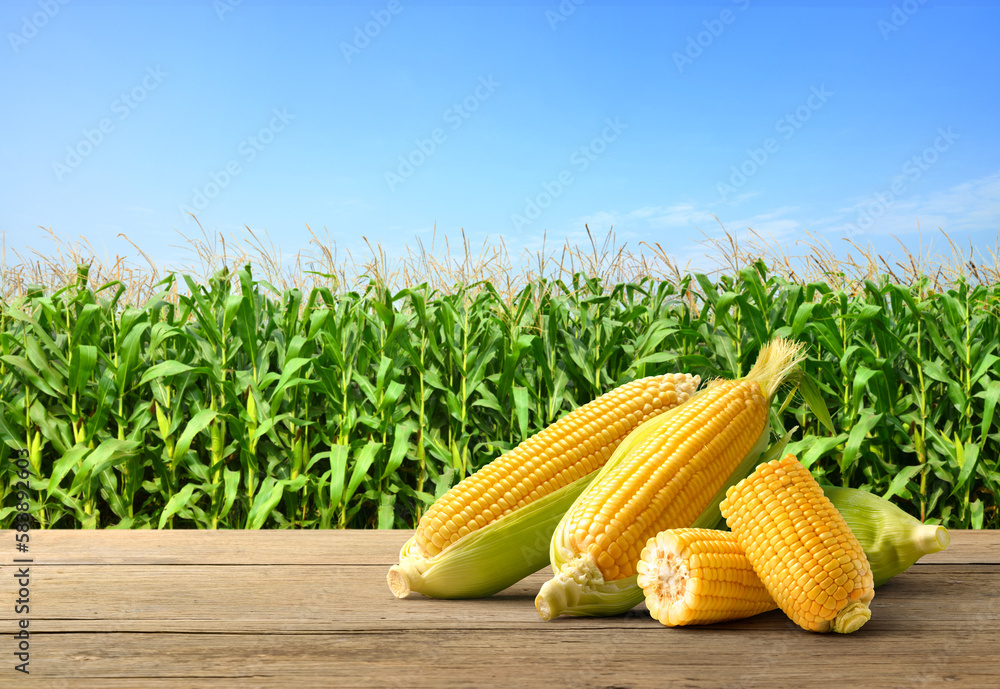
(699, 576)
(801, 547)
(671, 474)
(462, 545)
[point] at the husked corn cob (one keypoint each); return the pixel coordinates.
(668, 480)
(801, 547)
(541, 476)
(699, 576)
(572, 447)
(671, 473)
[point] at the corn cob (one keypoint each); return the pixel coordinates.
(699, 576)
(681, 589)
(467, 543)
(671, 474)
(801, 547)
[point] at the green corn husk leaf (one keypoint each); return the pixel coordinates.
(491, 558)
(892, 539)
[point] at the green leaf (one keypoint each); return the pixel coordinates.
(338, 466)
(267, 498)
(231, 484)
(176, 503)
(811, 448)
(361, 465)
(109, 453)
(386, 511)
(164, 369)
(63, 465)
(814, 399)
(990, 397)
(967, 455)
(521, 403)
(196, 425)
(81, 367)
(857, 436)
(900, 480)
(977, 509)
(400, 446)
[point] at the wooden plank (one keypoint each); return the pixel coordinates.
(981, 547)
(313, 547)
(184, 547)
(550, 656)
(293, 598)
(176, 609)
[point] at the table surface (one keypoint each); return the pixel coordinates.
(166, 609)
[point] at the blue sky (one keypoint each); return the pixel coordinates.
(844, 120)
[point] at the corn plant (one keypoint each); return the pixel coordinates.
(231, 403)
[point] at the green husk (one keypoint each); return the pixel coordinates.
(892, 539)
(491, 558)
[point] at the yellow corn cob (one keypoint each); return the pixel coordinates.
(667, 478)
(801, 547)
(544, 471)
(572, 447)
(699, 576)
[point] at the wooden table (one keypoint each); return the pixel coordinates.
(311, 608)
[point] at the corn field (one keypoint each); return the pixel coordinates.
(236, 404)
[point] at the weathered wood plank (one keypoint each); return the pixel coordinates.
(554, 657)
(330, 547)
(184, 547)
(167, 610)
(299, 598)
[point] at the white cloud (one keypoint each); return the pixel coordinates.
(969, 206)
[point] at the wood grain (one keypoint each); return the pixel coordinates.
(166, 610)
(331, 547)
